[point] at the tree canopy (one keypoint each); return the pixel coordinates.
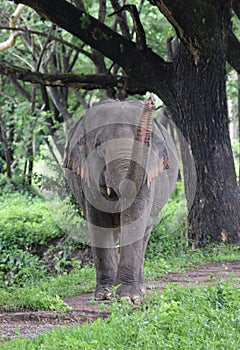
(119, 47)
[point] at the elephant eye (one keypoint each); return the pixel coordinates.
(100, 151)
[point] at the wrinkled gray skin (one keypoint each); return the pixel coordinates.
(120, 205)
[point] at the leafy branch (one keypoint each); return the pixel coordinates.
(141, 65)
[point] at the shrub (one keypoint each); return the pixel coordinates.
(25, 229)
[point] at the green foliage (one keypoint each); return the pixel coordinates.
(76, 282)
(19, 266)
(25, 229)
(30, 298)
(10, 185)
(158, 266)
(177, 318)
(25, 222)
(45, 293)
(32, 241)
(157, 29)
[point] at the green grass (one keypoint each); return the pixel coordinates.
(47, 293)
(158, 266)
(30, 298)
(178, 318)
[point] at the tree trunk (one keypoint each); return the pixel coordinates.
(30, 164)
(201, 114)
(6, 147)
(238, 123)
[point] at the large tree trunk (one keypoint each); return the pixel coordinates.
(238, 135)
(201, 114)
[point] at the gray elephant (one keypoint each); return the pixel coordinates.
(121, 166)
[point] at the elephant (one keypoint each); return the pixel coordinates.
(121, 166)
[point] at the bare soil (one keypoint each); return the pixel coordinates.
(29, 323)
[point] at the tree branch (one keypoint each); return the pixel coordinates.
(59, 105)
(85, 27)
(51, 37)
(141, 65)
(21, 89)
(10, 42)
(140, 33)
(77, 81)
(121, 19)
(170, 9)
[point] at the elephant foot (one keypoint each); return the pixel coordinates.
(103, 293)
(130, 294)
(142, 288)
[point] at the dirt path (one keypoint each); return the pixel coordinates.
(30, 324)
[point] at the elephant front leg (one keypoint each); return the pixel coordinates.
(106, 264)
(106, 259)
(130, 266)
(133, 242)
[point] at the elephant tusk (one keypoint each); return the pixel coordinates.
(109, 191)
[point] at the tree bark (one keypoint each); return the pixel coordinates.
(201, 115)
(238, 122)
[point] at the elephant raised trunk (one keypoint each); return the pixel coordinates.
(140, 151)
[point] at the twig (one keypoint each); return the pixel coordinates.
(140, 33)
(44, 48)
(52, 37)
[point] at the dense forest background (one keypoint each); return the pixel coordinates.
(49, 77)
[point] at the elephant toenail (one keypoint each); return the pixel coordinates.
(126, 298)
(136, 300)
(99, 296)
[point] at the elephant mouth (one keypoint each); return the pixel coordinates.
(109, 193)
(106, 188)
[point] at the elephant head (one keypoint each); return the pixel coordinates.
(111, 154)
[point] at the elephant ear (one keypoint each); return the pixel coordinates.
(76, 168)
(161, 163)
(75, 159)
